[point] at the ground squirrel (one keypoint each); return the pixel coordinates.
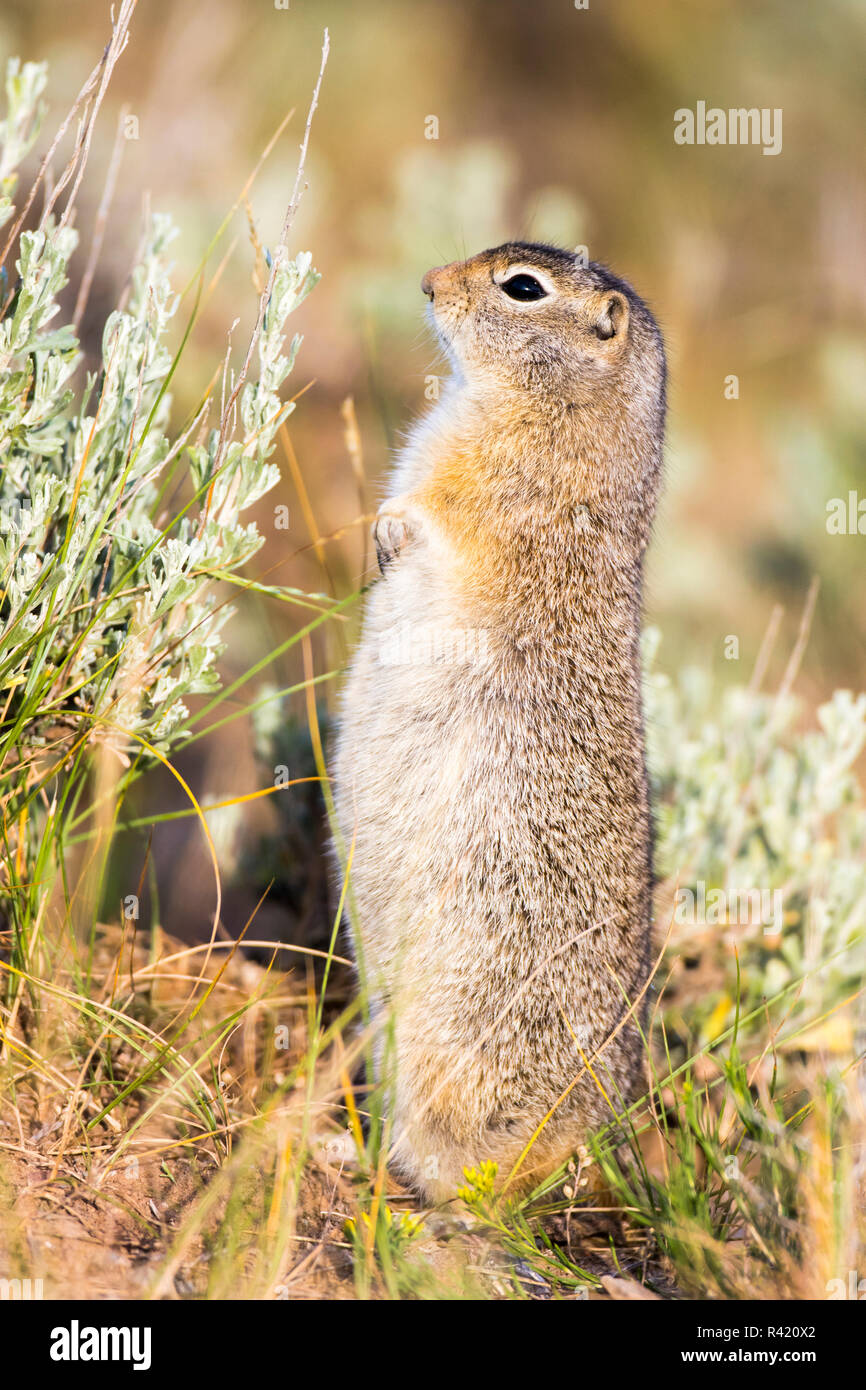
(490, 760)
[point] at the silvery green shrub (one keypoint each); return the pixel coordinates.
(108, 617)
(746, 799)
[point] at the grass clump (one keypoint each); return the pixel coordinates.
(113, 529)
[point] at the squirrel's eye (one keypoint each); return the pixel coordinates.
(523, 288)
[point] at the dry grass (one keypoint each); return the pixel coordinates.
(163, 1135)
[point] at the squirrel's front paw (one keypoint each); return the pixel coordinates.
(392, 532)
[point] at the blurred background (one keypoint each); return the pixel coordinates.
(444, 128)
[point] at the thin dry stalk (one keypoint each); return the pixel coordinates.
(100, 223)
(113, 50)
(279, 253)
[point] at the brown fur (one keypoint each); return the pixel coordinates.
(502, 866)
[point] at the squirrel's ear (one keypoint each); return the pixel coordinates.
(612, 315)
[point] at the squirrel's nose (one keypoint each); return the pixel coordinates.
(428, 284)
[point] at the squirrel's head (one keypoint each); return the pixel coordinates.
(536, 318)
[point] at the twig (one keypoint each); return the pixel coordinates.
(100, 223)
(116, 45)
(766, 649)
(291, 210)
(43, 167)
(796, 656)
(122, 25)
